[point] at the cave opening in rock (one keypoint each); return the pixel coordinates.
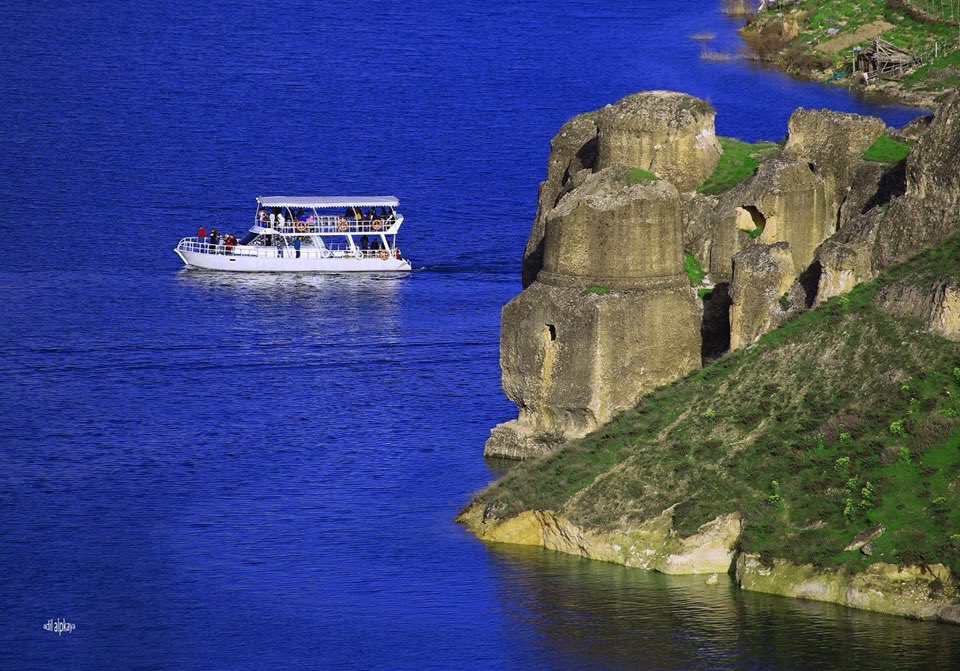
(551, 332)
(810, 281)
(759, 221)
(715, 328)
(750, 219)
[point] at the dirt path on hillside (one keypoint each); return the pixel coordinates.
(865, 32)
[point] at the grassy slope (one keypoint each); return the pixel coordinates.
(843, 418)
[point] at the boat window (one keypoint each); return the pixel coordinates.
(248, 238)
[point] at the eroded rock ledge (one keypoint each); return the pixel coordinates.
(928, 593)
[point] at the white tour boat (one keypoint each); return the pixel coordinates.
(328, 234)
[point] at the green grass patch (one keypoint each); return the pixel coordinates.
(843, 418)
(738, 162)
(704, 292)
(693, 269)
(596, 289)
(640, 176)
(887, 150)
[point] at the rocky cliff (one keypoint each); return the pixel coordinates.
(815, 455)
(608, 313)
(820, 462)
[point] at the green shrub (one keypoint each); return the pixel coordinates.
(867, 495)
(775, 499)
(897, 428)
(849, 511)
(842, 466)
(693, 269)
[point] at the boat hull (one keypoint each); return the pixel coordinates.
(291, 264)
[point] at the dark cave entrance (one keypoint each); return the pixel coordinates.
(715, 328)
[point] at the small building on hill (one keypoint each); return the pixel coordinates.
(883, 58)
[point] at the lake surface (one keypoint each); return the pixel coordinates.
(204, 471)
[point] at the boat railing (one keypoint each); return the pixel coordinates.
(197, 246)
(330, 224)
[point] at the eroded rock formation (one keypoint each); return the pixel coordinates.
(608, 314)
(670, 134)
(892, 227)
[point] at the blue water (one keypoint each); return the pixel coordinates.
(204, 471)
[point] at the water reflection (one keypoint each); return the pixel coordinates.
(298, 285)
(588, 614)
(309, 303)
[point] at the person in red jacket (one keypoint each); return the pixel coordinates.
(202, 234)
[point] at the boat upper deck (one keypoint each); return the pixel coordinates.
(312, 215)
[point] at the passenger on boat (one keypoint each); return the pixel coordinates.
(230, 244)
(214, 239)
(364, 242)
(375, 244)
(202, 234)
(296, 246)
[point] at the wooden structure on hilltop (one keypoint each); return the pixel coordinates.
(883, 57)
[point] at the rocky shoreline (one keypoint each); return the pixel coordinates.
(928, 593)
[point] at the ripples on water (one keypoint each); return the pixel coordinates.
(205, 471)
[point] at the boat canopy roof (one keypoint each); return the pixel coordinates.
(328, 201)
